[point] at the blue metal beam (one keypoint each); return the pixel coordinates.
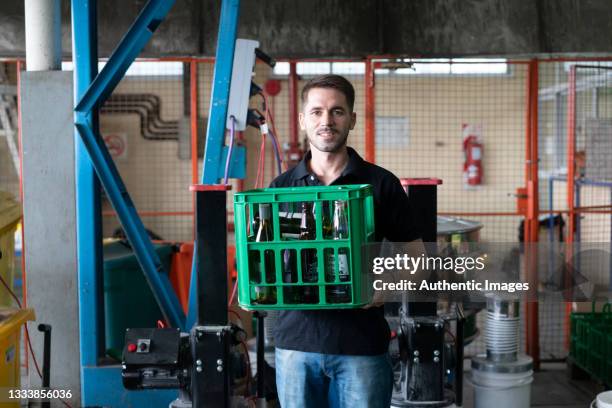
(102, 385)
(132, 224)
(215, 132)
(104, 388)
(128, 49)
(101, 86)
(88, 220)
(224, 59)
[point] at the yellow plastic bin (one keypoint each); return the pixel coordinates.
(10, 215)
(11, 321)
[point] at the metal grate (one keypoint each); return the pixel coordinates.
(9, 144)
(145, 123)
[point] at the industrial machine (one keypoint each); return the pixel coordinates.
(204, 364)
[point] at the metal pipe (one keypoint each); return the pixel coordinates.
(293, 105)
(46, 375)
(43, 32)
(370, 125)
(532, 320)
(460, 349)
(260, 354)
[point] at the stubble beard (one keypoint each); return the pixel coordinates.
(331, 147)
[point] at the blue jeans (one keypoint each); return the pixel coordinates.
(313, 380)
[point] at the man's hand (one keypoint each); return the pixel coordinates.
(377, 300)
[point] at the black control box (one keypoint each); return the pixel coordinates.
(154, 358)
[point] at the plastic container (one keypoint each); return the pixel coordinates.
(271, 257)
(502, 390)
(11, 321)
(591, 342)
(128, 300)
(604, 399)
(10, 215)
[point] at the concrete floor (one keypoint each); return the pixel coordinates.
(552, 388)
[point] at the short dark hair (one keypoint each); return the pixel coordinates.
(331, 81)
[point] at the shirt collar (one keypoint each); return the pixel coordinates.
(354, 163)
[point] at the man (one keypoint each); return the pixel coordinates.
(338, 358)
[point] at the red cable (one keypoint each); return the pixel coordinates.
(270, 118)
(231, 300)
(261, 164)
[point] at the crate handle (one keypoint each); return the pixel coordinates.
(369, 218)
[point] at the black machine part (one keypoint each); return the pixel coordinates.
(46, 374)
(155, 358)
(425, 358)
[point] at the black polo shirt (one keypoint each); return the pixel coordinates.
(348, 331)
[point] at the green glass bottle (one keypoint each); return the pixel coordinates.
(309, 256)
(265, 294)
(339, 293)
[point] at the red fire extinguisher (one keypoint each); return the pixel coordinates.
(472, 165)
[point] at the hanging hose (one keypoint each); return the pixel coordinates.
(229, 151)
(260, 163)
(276, 151)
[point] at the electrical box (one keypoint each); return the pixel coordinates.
(240, 88)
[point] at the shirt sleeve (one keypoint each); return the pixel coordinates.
(399, 219)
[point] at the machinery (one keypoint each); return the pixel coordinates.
(205, 363)
(428, 346)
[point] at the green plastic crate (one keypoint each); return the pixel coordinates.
(591, 342)
(290, 295)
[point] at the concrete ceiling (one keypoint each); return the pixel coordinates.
(353, 28)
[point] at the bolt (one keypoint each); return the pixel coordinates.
(436, 359)
(436, 353)
(220, 369)
(199, 369)
(199, 362)
(219, 362)
(416, 360)
(416, 352)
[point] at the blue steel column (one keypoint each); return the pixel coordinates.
(215, 132)
(224, 59)
(89, 234)
(94, 96)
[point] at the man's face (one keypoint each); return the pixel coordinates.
(327, 119)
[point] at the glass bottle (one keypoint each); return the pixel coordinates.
(254, 227)
(291, 294)
(309, 256)
(339, 293)
(265, 294)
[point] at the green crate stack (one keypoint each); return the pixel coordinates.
(591, 342)
(254, 259)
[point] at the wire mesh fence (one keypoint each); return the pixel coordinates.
(574, 112)
(9, 143)
(146, 126)
(423, 112)
(426, 113)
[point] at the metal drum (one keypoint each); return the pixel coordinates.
(455, 235)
